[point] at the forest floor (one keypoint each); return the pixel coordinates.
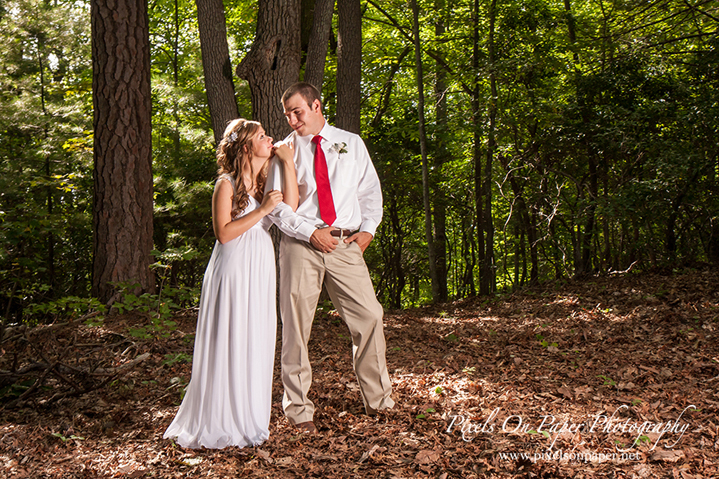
(610, 377)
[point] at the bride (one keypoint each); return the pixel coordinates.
(228, 400)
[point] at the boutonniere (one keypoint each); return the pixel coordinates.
(339, 148)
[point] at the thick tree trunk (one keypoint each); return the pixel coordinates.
(122, 208)
(319, 42)
(349, 64)
(273, 63)
(216, 65)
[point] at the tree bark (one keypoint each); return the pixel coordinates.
(487, 279)
(123, 202)
(216, 65)
(349, 64)
(273, 63)
(477, 140)
(423, 149)
(319, 42)
(441, 156)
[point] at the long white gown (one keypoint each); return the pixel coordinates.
(228, 400)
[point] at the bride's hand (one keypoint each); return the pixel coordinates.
(270, 201)
(285, 152)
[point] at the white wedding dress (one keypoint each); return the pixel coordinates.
(228, 400)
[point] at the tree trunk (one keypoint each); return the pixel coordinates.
(423, 150)
(216, 65)
(48, 176)
(441, 156)
(487, 279)
(349, 64)
(273, 63)
(319, 42)
(123, 203)
(477, 140)
(176, 151)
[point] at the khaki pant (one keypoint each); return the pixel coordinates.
(302, 271)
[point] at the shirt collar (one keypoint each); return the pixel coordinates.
(327, 134)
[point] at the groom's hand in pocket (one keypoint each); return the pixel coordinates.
(323, 241)
(362, 238)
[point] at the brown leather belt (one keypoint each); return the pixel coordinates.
(341, 233)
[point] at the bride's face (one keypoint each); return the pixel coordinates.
(261, 144)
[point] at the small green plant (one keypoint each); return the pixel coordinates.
(429, 410)
(636, 401)
(171, 359)
(451, 338)
(70, 307)
(642, 439)
(15, 390)
(544, 343)
(159, 307)
(65, 439)
(438, 390)
(607, 380)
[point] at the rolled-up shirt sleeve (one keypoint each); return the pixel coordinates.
(286, 220)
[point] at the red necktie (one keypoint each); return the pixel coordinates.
(324, 193)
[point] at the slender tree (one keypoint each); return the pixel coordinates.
(216, 64)
(319, 42)
(423, 149)
(487, 282)
(477, 147)
(441, 155)
(122, 212)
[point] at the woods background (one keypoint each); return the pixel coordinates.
(517, 142)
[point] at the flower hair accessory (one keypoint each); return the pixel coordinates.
(339, 148)
(232, 137)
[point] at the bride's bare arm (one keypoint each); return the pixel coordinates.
(290, 192)
(226, 229)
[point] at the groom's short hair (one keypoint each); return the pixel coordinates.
(307, 90)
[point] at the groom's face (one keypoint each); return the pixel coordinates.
(303, 118)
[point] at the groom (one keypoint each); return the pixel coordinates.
(339, 209)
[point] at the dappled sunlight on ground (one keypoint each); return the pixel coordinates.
(611, 377)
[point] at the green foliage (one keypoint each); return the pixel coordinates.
(45, 154)
(158, 308)
(70, 307)
(607, 380)
(171, 359)
(15, 390)
(65, 439)
(605, 154)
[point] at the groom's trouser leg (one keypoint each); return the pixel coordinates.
(350, 288)
(301, 274)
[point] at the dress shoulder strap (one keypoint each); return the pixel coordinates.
(228, 177)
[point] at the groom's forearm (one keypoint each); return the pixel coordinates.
(292, 224)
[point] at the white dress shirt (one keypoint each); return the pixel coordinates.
(354, 183)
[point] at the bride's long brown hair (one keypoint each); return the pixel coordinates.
(234, 150)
